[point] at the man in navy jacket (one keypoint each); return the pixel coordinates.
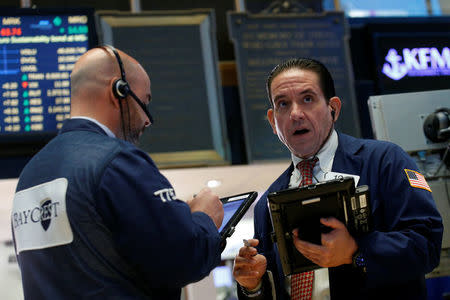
(388, 263)
(93, 218)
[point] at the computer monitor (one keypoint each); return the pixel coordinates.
(401, 54)
(38, 49)
(412, 61)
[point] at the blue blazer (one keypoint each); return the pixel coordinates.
(406, 241)
(132, 238)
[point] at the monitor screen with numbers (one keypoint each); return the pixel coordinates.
(38, 48)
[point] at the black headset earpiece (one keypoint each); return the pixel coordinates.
(120, 89)
(333, 113)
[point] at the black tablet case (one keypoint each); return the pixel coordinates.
(228, 230)
(302, 208)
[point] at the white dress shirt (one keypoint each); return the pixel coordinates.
(321, 284)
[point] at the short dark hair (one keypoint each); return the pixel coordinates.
(325, 80)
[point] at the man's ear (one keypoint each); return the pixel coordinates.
(111, 96)
(335, 104)
(271, 120)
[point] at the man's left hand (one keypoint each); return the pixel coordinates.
(337, 248)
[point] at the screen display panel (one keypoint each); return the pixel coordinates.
(408, 62)
(38, 49)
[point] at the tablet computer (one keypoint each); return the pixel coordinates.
(303, 207)
(234, 208)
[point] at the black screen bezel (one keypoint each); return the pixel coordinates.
(228, 229)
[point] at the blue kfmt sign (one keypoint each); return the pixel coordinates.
(417, 62)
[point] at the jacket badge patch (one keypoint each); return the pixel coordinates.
(417, 180)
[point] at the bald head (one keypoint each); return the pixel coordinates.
(95, 69)
(92, 80)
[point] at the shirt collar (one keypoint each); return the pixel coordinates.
(325, 154)
(105, 129)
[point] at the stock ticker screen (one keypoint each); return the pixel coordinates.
(38, 49)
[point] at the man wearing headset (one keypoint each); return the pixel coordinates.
(93, 218)
(388, 263)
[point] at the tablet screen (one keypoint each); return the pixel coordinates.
(234, 208)
(229, 209)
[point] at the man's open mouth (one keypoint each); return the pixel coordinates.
(301, 131)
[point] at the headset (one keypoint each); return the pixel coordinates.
(121, 88)
(333, 113)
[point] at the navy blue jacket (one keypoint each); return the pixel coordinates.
(405, 243)
(131, 238)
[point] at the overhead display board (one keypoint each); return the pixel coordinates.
(38, 48)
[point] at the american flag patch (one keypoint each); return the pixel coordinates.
(417, 180)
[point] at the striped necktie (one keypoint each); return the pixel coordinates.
(302, 284)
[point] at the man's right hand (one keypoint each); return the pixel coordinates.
(209, 203)
(249, 266)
